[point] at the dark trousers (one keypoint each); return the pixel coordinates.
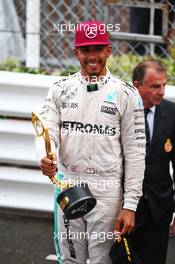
(150, 241)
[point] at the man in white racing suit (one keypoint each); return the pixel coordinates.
(99, 132)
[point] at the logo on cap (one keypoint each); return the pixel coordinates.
(91, 32)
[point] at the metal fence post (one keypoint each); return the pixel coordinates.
(151, 28)
(33, 33)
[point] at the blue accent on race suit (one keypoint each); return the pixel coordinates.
(57, 190)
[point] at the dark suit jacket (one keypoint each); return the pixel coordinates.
(158, 184)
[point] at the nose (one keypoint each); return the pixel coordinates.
(93, 52)
(92, 57)
(161, 90)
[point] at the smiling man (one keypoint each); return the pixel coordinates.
(91, 119)
(92, 54)
(155, 209)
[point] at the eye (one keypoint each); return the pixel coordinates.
(84, 49)
(155, 86)
(99, 48)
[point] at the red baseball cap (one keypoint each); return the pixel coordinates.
(91, 33)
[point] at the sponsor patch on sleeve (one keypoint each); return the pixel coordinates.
(108, 110)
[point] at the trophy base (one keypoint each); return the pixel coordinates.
(76, 201)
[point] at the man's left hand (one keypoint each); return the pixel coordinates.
(125, 222)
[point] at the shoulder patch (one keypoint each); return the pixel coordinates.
(129, 87)
(65, 78)
(61, 80)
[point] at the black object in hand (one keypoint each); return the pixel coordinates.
(92, 87)
(122, 252)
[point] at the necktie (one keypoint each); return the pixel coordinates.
(146, 111)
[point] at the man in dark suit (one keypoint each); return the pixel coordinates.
(155, 209)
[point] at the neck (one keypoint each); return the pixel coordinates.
(147, 105)
(93, 77)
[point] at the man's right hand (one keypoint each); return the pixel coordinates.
(49, 167)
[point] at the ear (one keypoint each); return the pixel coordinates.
(136, 84)
(76, 52)
(109, 49)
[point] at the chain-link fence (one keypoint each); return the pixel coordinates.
(40, 32)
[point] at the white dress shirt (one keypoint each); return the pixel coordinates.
(150, 119)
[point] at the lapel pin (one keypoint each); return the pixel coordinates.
(168, 145)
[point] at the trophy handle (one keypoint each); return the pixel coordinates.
(45, 134)
(54, 180)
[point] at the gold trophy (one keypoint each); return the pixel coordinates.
(75, 201)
